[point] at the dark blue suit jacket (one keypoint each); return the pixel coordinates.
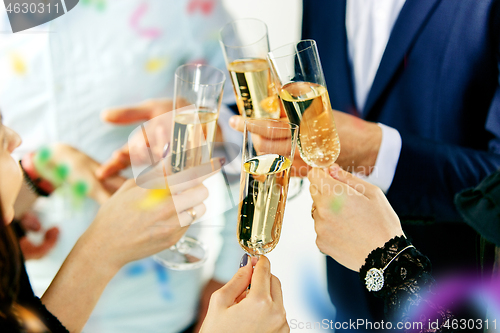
(438, 85)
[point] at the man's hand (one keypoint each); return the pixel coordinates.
(145, 111)
(359, 144)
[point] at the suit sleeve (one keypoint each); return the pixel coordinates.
(429, 174)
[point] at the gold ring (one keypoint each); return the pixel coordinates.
(191, 213)
(313, 209)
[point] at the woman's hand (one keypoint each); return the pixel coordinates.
(134, 223)
(352, 217)
(231, 309)
(127, 229)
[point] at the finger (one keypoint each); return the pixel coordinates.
(271, 129)
(233, 290)
(99, 193)
(261, 278)
(128, 114)
(237, 123)
(30, 222)
(354, 182)
(189, 198)
(186, 218)
(276, 292)
(119, 160)
(191, 177)
(113, 183)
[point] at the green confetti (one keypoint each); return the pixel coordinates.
(337, 203)
(61, 172)
(43, 155)
(80, 189)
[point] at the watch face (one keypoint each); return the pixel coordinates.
(374, 279)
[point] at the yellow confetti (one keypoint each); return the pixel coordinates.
(154, 198)
(18, 64)
(155, 64)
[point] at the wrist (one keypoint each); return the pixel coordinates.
(402, 263)
(369, 150)
(89, 252)
(33, 178)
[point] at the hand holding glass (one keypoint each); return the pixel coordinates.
(191, 145)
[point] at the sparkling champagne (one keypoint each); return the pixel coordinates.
(308, 105)
(193, 137)
(254, 90)
(264, 185)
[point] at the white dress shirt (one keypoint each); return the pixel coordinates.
(369, 24)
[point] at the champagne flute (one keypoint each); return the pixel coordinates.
(245, 44)
(191, 145)
(268, 150)
(300, 83)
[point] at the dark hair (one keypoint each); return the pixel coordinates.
(10, 270)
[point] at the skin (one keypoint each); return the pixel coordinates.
(120, 160)
(351, 216)
(232, 309)
(120, 233)
(359, 139)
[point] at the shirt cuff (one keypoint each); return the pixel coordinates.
(387, 159)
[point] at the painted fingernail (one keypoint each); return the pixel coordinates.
(244, 260)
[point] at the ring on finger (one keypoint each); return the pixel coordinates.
(191, 213)
(313, 209)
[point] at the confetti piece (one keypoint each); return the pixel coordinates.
(43, 155)
(154, 198)
(337, 203)
(100, 5)
(18, 64)
(155, 65)
(61, 172)
(150, 33)
(80, 188)
(206, 6)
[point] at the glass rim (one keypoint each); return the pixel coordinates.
(266, 32)
(311, 41)
(256, 122)
(177, 75)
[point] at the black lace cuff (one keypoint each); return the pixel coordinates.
(407, 280)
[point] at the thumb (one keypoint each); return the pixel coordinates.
(236, 286)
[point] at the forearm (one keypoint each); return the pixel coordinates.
(75, 290)
(430, 173)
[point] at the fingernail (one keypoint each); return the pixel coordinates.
(244, 260)
(222, 161)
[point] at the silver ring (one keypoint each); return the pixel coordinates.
(191, 213)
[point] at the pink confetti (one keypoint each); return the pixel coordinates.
(206, 6)
(135, 19)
